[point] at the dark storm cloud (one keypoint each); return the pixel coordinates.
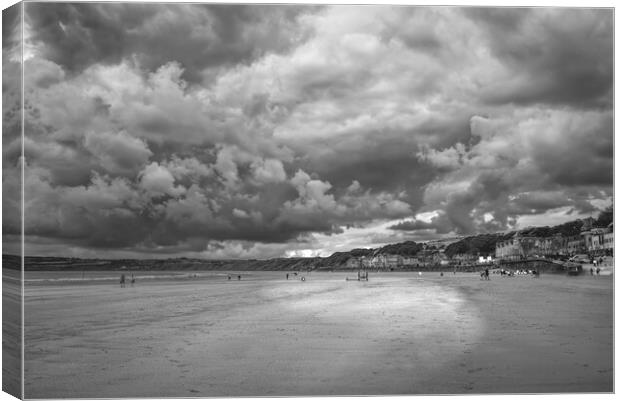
(233, 130)
(557, 159)
(412, 225)
(11, 106)
(558, 56)
(423, 30)
(388, 164)
(582, 154)
(535, 202)
(77, 35)
(11, 22)
(162, 215)
(11, 127)
(499, 18)
(11, 77)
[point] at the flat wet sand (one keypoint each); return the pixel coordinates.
(399, 333)
(11, 332)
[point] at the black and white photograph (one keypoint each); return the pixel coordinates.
(211, 199)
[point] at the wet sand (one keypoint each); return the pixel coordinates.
(11, 332)
(265, 336)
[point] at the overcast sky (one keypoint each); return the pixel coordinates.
(230, 131)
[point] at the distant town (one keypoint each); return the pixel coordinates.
(586, 239)
(582, 240)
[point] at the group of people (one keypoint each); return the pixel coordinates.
(509, 273)
(238, 277)
(133, 280)
(598, 271)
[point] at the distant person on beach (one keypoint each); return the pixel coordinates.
(122, 281)
(591, 272)
(239, 277)
(287, 276)
(598, 271)
(133, 280)
(229, 276)
(486, 274)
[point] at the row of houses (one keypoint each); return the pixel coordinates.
(591, 241)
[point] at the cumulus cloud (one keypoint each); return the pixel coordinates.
(199, 36)
(557, 56)
(525, 163)
(242, 214)
(118, 153)
(268, 170)
(412, 225)
(158, 181)
(450, 158)
(223, 130)
(42, 73)
(313, 196)
(188, 168)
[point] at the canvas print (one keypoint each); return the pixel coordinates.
(231, 200)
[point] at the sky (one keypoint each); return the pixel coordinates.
(259, 131)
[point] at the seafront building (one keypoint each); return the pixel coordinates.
(593, 241)
(575, 245)
(599, 241)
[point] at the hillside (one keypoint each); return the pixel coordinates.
(407, 248)
(483, 244)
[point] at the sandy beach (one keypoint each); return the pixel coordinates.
(11, 331)
(399, 333)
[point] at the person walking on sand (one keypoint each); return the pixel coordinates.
(598, 271)
(122, 281)
(287, 276)
(239, 277)
(591, 272)
(486, 274)
(133, 280)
